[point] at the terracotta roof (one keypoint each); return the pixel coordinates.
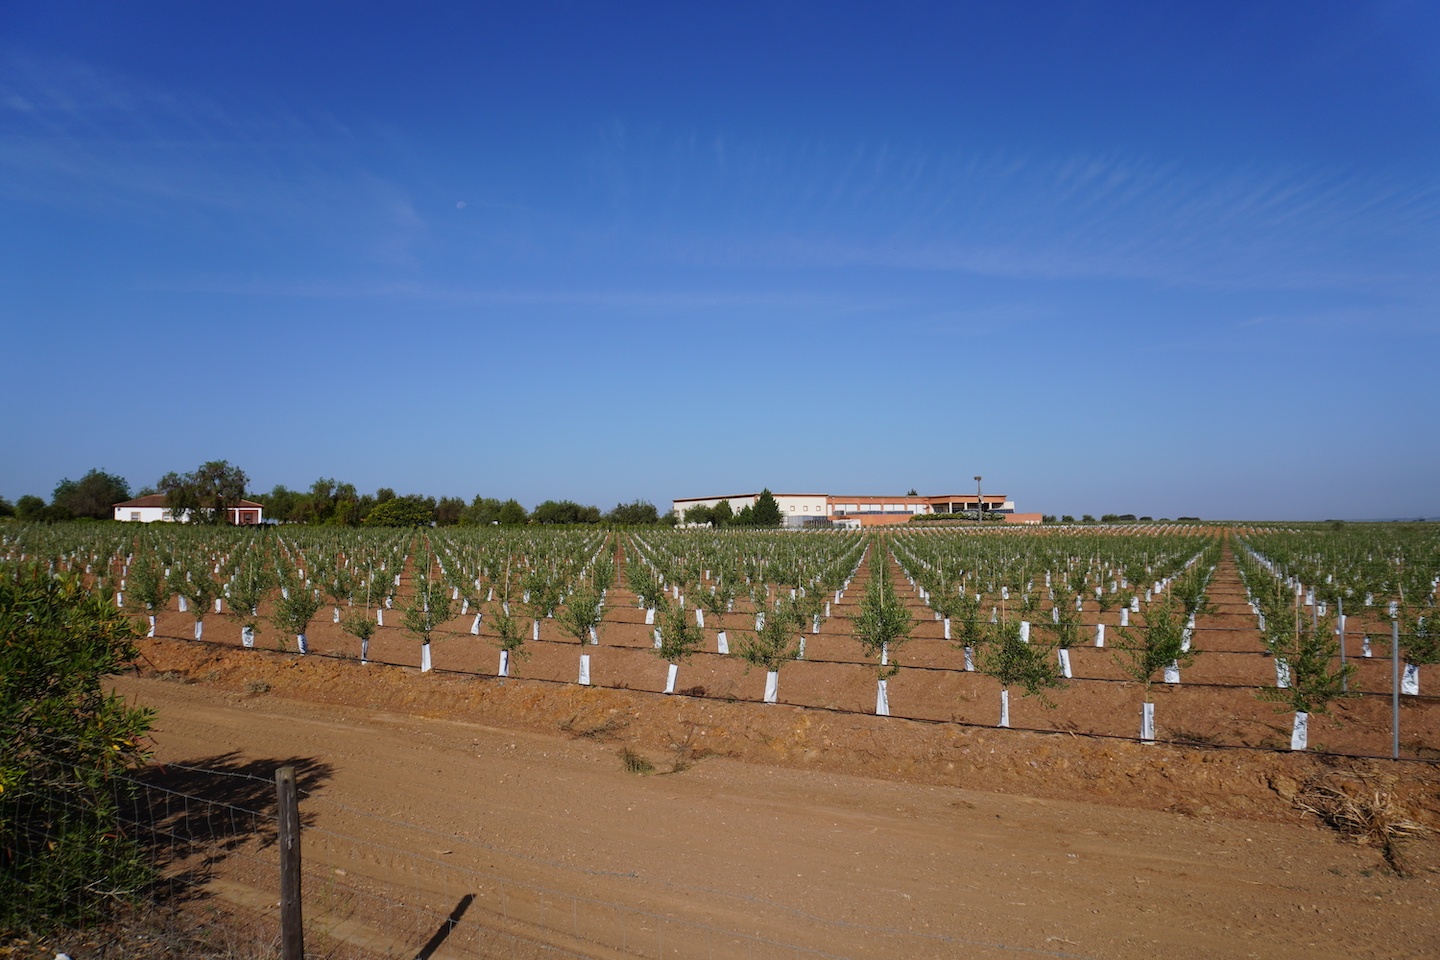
(158, 500)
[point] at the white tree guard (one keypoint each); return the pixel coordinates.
(594, 637)
(772, 686)
(1300, 732)
(504, 663)
(475, 626)
(119, 599)
(649, 616)
(301, 643)
(1124, 616)
(364, 651)
(670, 675)
(800, 651)
(1064, 656)
(882, 698)
(1024, 631)
(465, 607)
(379, 617)
(947, 628)
(584, 670)
(1282, 673)
(1099, 634)
(815, 626)
(1410, 680)
(151, 631)
(535, 630)
(183, 605)
(1365, 647)
(218, 601)
(699, 618)
(722, 643)
(335, 616)
(1147, 722)
(969, 659)
(1004, 708)
(247, 636)
(1172, 672)
(658, 640)
(424, 658)
(1134, 604)
(199, 629)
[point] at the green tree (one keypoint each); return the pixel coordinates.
(882, 625)
(93, 495)
(1143, 653)
(206, 494)
(699, 514)
(65, 744)
(680, 639)
(512, 514)
(1315, 678)
(281, 503)
(584, 611)
(1005, 654)
(294, 610)
(564, 511)
(407, 511)
(722, 514)
(30, 507)
(635, 513)
(771, 646)
(767, 511)
(448, 511)
(429, 607)
(7, 509)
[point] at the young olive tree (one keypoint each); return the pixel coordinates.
(680, 639)
(772, 644)
(581, 617)
(1316, 678)
(429, 607)
(881, 626)
(201, 592)
(1006, 653)
(1157, 646)
(294, 609)
(1420, 643)
(148, 589)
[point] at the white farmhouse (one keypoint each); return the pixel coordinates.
(152, 509)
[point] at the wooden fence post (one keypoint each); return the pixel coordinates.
(292, 933)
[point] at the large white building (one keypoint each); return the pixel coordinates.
(152, 509)
(825, 509)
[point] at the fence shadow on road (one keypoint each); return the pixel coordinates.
(194, 815)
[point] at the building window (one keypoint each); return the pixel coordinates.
(792, 508)
(135, 515)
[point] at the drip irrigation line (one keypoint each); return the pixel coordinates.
(841, 711)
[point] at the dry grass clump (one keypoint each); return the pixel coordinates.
(636, 763)
(1364, 811)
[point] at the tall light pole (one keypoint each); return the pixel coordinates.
(979, 503)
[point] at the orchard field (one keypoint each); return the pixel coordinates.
(1189, 634)
(826, 710)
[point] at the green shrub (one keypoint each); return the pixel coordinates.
(64, 747)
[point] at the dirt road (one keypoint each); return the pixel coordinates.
(546, 838)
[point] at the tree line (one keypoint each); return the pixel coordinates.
(205, 493)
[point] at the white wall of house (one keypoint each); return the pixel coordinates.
(142, 514)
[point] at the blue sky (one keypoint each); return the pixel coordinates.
(1169, 259)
